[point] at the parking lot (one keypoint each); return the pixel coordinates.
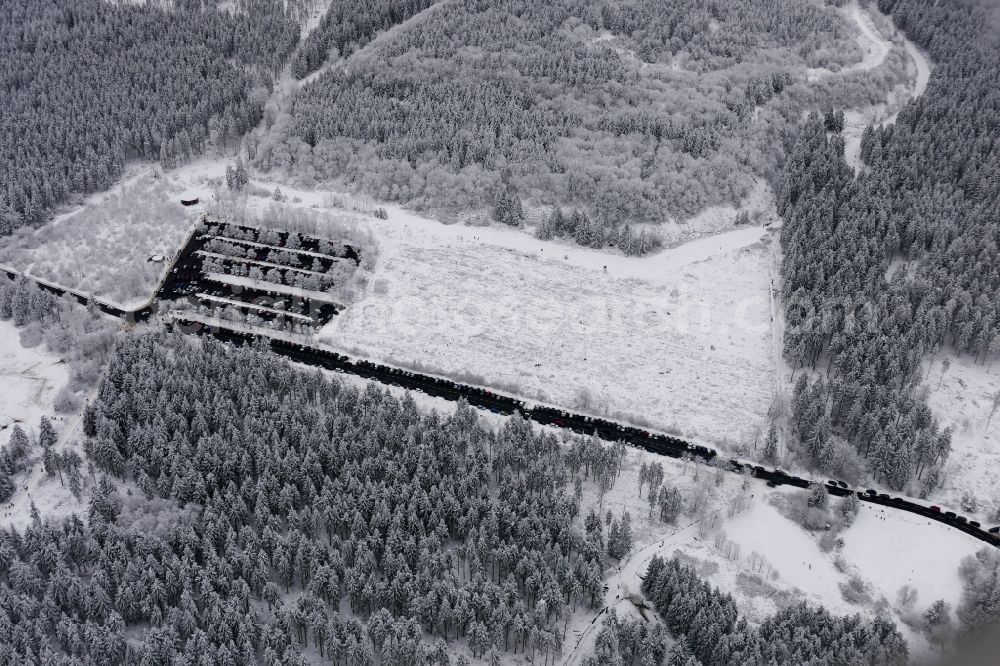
(273, 279)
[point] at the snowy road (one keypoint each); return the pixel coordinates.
(877, 47)
(625, 582)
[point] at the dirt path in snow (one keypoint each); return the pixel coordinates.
(856, 120)
(626, 582)
(875, 47)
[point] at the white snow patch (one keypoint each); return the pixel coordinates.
(791, 550)
(681, 338)
(891, 549)
(759, 204)
(963, 398)
(885, 549)
(30, 380)
(101, 248)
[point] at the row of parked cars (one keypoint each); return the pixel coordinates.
(834, 487)
(655, 442)
(950, 515)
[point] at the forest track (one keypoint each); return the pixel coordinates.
(859, 118)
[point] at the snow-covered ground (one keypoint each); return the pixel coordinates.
(29, 380)
(767, 562)
(102, 246)
(963, 398)
(759, 204)
(680, 338)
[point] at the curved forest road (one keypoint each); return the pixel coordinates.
(876, 48)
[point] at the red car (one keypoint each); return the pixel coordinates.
(936, 508)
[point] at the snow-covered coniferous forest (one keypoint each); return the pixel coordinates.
(454, 332)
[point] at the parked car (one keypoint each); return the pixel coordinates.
(949, 514)
(870, 492)
(994, 530)
(961, 519)
(974, 523)
(936, 509)
(883, 496)
(772, 484)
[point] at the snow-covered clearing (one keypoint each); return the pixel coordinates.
(759, 204)
(962, 397)
(102, 247)
(891, 549)
(30, 380)
(680, 339)
(767, 562)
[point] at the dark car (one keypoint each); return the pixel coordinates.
(961, 519)
(842, 484)
(974, 523)
(936, 509)
(994, 530)
(772, 484)
(949, 514)
(883, 496)
(870, 492)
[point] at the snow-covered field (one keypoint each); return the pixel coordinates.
(102, 247)
(680, 339)
(766, 561)
(963, 398)
(29, 380)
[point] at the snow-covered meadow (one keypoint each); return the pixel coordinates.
(29, 381)
(742, 543)
(962, 396)
(680, 339)
(30, 378)
(102, 246)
